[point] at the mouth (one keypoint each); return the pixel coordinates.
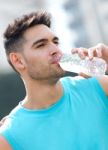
(56, 59)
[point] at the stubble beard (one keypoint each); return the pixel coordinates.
(51, 77)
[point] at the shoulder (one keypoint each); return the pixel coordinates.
(85, 84)
(71, 80)
(15, 111)
(4, 145)
(9, 130)
(75, 81)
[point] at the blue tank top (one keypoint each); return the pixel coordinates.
(77, 121)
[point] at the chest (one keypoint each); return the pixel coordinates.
(64, 131)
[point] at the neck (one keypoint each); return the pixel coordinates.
(42, 95)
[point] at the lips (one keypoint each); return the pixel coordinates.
(56, 59)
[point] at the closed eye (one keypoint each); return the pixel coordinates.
(56, 42)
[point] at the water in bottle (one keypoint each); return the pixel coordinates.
(73, 63)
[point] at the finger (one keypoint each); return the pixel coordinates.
(101, 45)
(91, 53)
(99, 49)
(98, 52)
(83, 52)
(94, 52)
(84, 75)
(74, 50)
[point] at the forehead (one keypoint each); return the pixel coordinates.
(37, 32)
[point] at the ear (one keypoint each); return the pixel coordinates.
(17, 61)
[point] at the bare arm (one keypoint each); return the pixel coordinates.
(4, 144)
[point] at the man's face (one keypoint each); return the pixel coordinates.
(42, 54)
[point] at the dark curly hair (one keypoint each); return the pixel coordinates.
(13, 35)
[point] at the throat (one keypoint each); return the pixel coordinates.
(43, 98)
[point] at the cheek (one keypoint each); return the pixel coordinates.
(38, 63)
(38, 59)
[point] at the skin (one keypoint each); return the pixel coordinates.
(38, 65)
(101, 51)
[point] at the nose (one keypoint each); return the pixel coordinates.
(55, 50)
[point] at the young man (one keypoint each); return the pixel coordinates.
(57, 113)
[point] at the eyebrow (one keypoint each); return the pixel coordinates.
(44, 40)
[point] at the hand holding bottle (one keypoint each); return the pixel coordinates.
(89, 62)
(100, 51)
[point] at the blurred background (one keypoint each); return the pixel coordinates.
(78, 23)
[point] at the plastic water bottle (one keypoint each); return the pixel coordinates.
(73, 63)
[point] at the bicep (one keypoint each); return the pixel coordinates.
(4, 144)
